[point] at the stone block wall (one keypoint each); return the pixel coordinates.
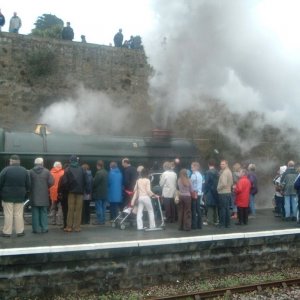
(35, 72)
(136, 265)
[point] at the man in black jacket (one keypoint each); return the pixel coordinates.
(14, 185)
(129, 179)
(67, 33)
(75, 181)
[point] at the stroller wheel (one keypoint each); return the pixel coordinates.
(122, 226)
(113, 225)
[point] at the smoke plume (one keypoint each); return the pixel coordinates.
(88, 113)
(221, 50)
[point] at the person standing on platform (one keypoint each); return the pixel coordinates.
(130, 176)
(75, 180)
(224, 192)
(41, 181)
(100, 187)
(87, 196)
(253, 179)
(115, 180)
(185, 201)
(142, 194)
(56, 214)
(290, 195)
(63, 191)
(168, 183)
(14, 186)
(197, 182)
(242, 197)
(211, 193)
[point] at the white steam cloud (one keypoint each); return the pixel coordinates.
(88, 113)
(222, 50)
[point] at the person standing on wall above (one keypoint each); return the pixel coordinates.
(15, 23)
(14, 186)
(130, 176)
(290, 199)
(56, 214)
(2, 20)
(224, 192)
(41, 181)
(118, 39)
(67, 33)
(100, 187)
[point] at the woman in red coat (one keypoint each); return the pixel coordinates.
(242, 192)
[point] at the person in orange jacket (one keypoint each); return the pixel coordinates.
(242, 193)
(56, 215)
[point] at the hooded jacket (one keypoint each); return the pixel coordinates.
(41, 181)
(242, 192)
(57, 173)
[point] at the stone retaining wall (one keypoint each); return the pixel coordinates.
(141, 263)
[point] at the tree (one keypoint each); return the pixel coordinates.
(48, 26)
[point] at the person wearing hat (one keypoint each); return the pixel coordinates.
(41, 181)
(14, 186)
(76, 179)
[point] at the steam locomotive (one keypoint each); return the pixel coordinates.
(149, 151)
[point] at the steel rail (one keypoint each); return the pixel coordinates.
(232, 290)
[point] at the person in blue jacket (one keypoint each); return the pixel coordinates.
(115, 180)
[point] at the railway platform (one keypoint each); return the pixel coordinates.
(91, 234)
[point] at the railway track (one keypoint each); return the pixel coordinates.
(233, 290)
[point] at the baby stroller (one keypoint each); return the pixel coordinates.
(126, 216)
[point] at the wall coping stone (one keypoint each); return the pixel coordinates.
(144, 243)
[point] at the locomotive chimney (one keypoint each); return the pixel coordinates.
(161, 134)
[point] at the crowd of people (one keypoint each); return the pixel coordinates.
(287, 192)
(189, 197)
(67, 33)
